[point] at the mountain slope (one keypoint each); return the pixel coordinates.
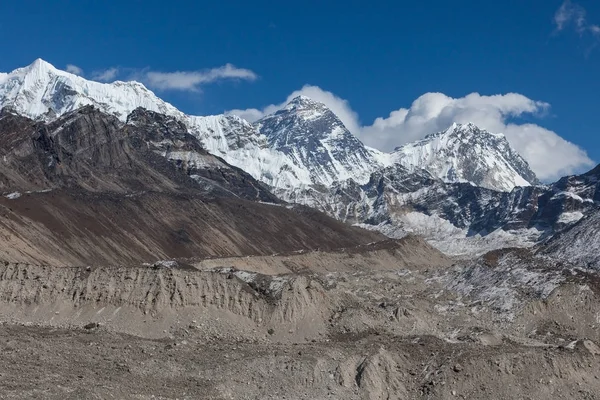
(457, 218)
(577, 245)
(87, 188)
(466, 153)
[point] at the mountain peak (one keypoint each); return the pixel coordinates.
(316, 140)
(458, 127)
(39, 63)
(304, 103)
(468, 125)
(302, 99)
(38, 68)
(467, 153)
(467, 129)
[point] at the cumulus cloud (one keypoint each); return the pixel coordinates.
(192, 80)
(339, 106)
(433, 112)
(74, 69)
(549, 155)
(106, 75)
(573, 15)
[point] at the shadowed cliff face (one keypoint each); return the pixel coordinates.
(88, 189)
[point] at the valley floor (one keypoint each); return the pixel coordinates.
(388, 320)
(47, 363)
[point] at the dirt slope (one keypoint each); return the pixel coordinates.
(65, 228)
(386, 255)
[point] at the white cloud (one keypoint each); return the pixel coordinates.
(106, 75)
(178, 80)
(549, 155)
(569, 13)
(74, 69)
(192, 80)
(572, 14)
(433, 112)
(339, 106)
(249, 114)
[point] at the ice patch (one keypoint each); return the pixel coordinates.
(13, 196)
(570, 217)
(165, 264)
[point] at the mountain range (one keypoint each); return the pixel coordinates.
(466, 190)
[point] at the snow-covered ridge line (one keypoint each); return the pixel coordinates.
(301, 145)
(41, 91)
(307, 155)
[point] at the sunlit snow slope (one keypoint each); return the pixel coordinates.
(466, 153)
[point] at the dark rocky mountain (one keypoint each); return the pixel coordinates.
(88, 189)
(584, 187)
(95, 152)
(578, 244)
(459, 218)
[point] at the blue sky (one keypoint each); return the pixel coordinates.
(365, 59)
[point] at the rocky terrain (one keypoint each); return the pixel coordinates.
(393, 320)
(146, 254)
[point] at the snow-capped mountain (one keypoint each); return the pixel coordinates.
(464, 189)
(315, 139)
(466, 153)
(41, 91)
(302, 145)
(320, 148)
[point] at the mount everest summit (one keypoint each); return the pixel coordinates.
(464, 189)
